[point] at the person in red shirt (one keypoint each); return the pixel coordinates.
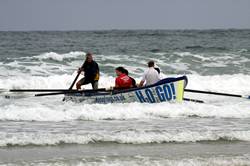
(133, 80)
(122, 80)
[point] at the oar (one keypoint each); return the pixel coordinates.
(73, 83)
(52, 94)
(216, 93)
(193, 100)
(72, 91)
(12, 96)
(38, 90)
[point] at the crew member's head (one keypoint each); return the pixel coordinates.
(89, 57)
(119, 71)
(125, 71)
(151, 64)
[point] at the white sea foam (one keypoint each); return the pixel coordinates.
(179, 66)
(160, 53)
(217, 60)
(242, 50)
(217, 64)
(236, 83)
(127, 137)
(184, 54)
(63, 63)
(204, 57)
(53, 109)
(58, 57)
(24, 81)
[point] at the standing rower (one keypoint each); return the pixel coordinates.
(91, 73)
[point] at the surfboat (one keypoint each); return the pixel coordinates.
(166, 90)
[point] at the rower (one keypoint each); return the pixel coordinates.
(158, 70)
(122, 80)
(150, 76)
(91, 73)
(133, 80)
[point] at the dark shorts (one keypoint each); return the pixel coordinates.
(94, 83)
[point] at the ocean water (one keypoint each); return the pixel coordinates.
(48, 131)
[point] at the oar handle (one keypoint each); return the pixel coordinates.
(73, 83)
(78, 74)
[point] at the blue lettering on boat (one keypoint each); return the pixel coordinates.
(163, 93)
(173, 90)
(109, 99)
(150, 96)
(160, 93)
(140, 96)
(167, 91)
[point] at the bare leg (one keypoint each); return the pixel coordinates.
(78, 85)
(95, 85)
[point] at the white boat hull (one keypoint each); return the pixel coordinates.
(166, 90)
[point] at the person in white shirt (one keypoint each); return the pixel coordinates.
(150, 76)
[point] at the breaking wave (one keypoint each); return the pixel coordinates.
(122, 137)
(23, 106)
(54, 56)
(53, 109)
(59, 57)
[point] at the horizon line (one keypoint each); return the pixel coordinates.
(146, 29)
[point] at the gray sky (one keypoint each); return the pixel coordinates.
(123, 14)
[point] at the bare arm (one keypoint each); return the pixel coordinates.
(141, 83)
(143, 80)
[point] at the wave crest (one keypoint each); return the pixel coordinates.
(123, 137)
